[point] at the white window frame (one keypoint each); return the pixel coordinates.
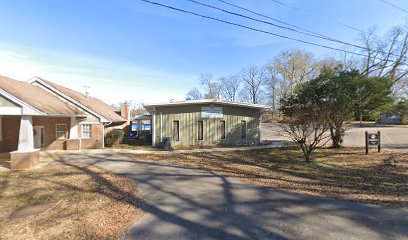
(56, 131)
(82, 131)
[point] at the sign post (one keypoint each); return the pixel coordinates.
(366, 141)
(373, 140)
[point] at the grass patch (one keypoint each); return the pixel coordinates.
(349, 174)
(134, 147)
(93, 204)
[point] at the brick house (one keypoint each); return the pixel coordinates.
(40, 114)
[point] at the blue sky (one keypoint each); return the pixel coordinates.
(131, 50)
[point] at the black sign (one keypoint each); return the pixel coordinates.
(373, 139)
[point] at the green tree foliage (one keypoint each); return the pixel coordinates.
(401, 107)
(346, 93)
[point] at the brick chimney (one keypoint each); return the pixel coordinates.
(125, 112)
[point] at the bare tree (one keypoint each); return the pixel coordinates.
(212, 88)
(272, 88)
(194, 94)
(135, 108)
(288, 70)
(385, 57)
(293, 68)
(306, 126)
(253, 78)
(229, 87)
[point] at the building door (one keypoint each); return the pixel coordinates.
(38, 136)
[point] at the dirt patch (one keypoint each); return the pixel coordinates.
(349, 174)
(32, 210)
(92, 203)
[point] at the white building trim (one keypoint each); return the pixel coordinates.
(23, 109)
(1, 129)
(26, 136)
(153, 126)
(208, 101)
(73, 131)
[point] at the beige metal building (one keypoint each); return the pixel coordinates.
(205, 122)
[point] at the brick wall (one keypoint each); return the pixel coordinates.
(50, 124)
(11, 129)
(97, 137)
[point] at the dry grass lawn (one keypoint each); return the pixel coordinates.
(349, 174)
(134, 147)
(92, 203)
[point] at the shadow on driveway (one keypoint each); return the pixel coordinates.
(185, 203)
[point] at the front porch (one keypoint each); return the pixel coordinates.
(22, 138)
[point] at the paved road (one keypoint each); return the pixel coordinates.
(391, 137)
(182, 203)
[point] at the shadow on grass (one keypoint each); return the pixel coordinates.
(328, 178)
(222, 211)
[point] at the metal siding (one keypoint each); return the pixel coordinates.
(191, 114)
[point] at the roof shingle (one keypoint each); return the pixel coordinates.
(38, 98)
(96, 105)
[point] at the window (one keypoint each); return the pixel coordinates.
(61, 130)
(222, 130)
(176, 130)
(200, 130)
(243, 130)
(87, 131)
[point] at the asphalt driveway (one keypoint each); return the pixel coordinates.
(392, 137)
(183, 203)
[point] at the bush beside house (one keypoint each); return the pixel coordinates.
(114, 137)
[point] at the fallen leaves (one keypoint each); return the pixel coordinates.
(346, 173)
(94, 204)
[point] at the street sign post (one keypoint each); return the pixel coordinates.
(373, 140)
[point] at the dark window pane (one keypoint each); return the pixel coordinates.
(200, 130)
(222, 129)
(176, 130)
(243, 130)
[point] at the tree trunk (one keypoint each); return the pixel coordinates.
(361, 118)
(336, 136)
(336, 133)
(308, 154)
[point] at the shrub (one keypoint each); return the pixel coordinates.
(114, 137)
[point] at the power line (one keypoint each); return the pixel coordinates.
(276, 25)
(283, 27)
(256, 29)
(251, 28)
(310, 13)
(394, 5)
(262, 15)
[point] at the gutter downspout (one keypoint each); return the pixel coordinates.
(161, 127)
(154, 127)
(260, 127)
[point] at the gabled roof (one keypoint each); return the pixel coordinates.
(143, 117)
(206, 101)
(38, 98)
(90, 104)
